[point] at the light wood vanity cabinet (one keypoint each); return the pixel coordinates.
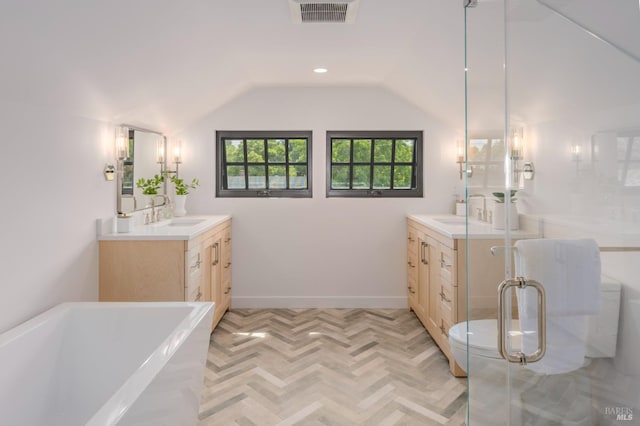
(218, 270)
(198, 269)
(437, 287)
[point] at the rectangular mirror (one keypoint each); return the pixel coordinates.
(142, 162)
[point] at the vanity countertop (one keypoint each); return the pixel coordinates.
(454, 227)
(179, 228)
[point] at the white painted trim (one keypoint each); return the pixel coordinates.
(275, 302)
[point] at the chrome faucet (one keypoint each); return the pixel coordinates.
(482, 213)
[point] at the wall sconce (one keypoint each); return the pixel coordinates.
(122, 143)
(160, 152)
(516, 153)
(461, 160)
(177, 152)
(177, 156)
(122, 153)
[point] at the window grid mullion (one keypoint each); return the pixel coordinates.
(373, 142)
(393, 163)
(286, 163)
(350, 163)
(246, 164)
(266, 163)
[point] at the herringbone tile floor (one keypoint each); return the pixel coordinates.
(327, 367)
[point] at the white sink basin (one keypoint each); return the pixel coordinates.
(180, 221)
(185, 222)
(452, 221)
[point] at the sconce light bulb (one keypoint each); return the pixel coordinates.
(516, 142)
(160, 151)
(122, 145)
(460, 151)
(177, 152)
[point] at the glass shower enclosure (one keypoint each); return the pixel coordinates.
(552, 115)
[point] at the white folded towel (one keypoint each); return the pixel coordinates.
(569, 271)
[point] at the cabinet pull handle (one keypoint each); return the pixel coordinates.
(411, 265)
(216, 257)
(199, 295)
(227, 265)
(228, 239)
(423, 255)
(411, 290)
(410, 238)
(228, 290)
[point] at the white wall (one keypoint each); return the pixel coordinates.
(54, 190)
(319, 251)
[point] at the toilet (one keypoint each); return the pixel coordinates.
(489, 375)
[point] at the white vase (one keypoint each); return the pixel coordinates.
(179, 202)
(499, 216)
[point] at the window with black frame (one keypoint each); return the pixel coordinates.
(374, 164)
(263, 164)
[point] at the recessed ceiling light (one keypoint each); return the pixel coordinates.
(320, 70)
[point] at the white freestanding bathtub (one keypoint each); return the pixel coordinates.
(104, 364)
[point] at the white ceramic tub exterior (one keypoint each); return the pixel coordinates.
(106, 363)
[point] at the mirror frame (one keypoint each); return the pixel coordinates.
(120, 171)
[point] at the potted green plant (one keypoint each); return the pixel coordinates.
(150, 186)
(500, 196)
(182, 189)
(499, 210)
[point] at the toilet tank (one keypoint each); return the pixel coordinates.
(602, 329)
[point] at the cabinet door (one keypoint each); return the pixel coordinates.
(225, 260)
(424, 265)
(433, 289)
(215, 276)
(412, 267)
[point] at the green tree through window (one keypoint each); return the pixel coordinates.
(371, 164)
(273, 164)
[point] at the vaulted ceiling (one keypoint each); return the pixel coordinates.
(163, 63)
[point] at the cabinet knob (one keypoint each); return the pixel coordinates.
(444, 297)
(444, 264)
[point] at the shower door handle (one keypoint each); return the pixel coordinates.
(520, 357)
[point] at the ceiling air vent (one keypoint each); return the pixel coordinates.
(319, 11)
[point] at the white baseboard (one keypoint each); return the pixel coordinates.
(275, 302)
